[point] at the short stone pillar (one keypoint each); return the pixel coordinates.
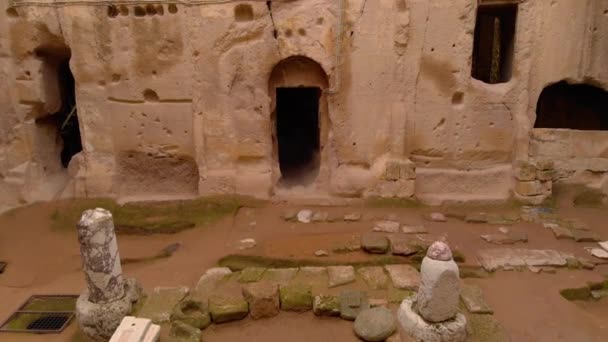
(100, 257)
(109, 297)
(432, 316)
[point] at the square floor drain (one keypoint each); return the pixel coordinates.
(42, 315)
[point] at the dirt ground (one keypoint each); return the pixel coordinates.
(42, 260)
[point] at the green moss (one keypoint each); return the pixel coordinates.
(51, 304)
(22, 320)
(153, 217)
(485, 328)
(588, 198)
(251, 275)
(380, 202)
(396, 296)
(581, 293)
(296, 297)
(238, 262)
(599, 286)
(473, 272)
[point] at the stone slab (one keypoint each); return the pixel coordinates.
(472, 297)
(496, 258)
(505, 239)
(326, 305)
(387, 226)
(585, 236)
(280, 276)
(251, 275)
(209, 281)
(228, 308)
(160, 303)
(404, 277)
(374, 276)
(341, 275)
(407, 229)
(561, 233)
(296, 297)
(375, 243)
(352, 303)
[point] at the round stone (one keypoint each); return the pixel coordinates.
(439, 251)
(375, 324)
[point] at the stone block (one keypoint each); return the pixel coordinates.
(193, 313)
(374, 276)
(296, 297)
(404, 277)
(226, 309)
(375, 243)
(473, 299)
(532, 188)
(251, 274)
(352, 303)
(525, 171)
(183, 332)
(326, 305)
(160, 303)
(340, 275)
(263, 299)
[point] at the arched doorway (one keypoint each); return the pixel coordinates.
(299, 116)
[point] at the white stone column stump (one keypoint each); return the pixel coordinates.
(108, 297)
(432, 316)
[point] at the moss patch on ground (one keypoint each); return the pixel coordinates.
(238, 262)
(379, 202)
(485, 328)
(51, 304)
(145, 218)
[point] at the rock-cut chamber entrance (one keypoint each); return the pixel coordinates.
(298, 132)
(299, 121)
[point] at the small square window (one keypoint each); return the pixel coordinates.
(494, 42)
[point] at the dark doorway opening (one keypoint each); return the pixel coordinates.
(494, 42)
(298, 133)
(574, 106)
(65, 119)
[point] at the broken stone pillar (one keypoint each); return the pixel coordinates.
(100, 257)
(432, 316)
(108, 298)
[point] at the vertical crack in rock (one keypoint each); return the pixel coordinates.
(426, 27)
(275, 32)
(362, 11)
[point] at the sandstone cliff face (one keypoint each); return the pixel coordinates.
(180, 100)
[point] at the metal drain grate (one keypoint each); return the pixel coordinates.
(42, 315)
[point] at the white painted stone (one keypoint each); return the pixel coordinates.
(439, 291)
(412, 326)
(604, 245)
(305, 216)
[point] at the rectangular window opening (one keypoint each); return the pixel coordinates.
(494, 43)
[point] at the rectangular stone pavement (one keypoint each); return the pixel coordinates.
(496, 258)
(404, 277)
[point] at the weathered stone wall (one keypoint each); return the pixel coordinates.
(180, 103)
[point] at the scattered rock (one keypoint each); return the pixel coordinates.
(534, 269)
(340, 275)
(321, 253)
(184, 332)
(352, 217)
(477, 218)
(159, 305)
(599, 253)
(312, 271)
(414, 229)
(584, 236)
(296, 297)
(505, 239)
(305, 216)
(247, 244)
(263, 299)
(436, 217)
(387, 226)
(503, 230)
(599, 294)
(404, 277)
(375, 324)
(375, 243)
(374, 277)
(439, 251)
(352, 303)
(320, 216)
(290, 215)
(226, 309)
(561, 233)
(473, 300)
(402, 247)
(326, 305)
(193, 313)
(251, 274)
